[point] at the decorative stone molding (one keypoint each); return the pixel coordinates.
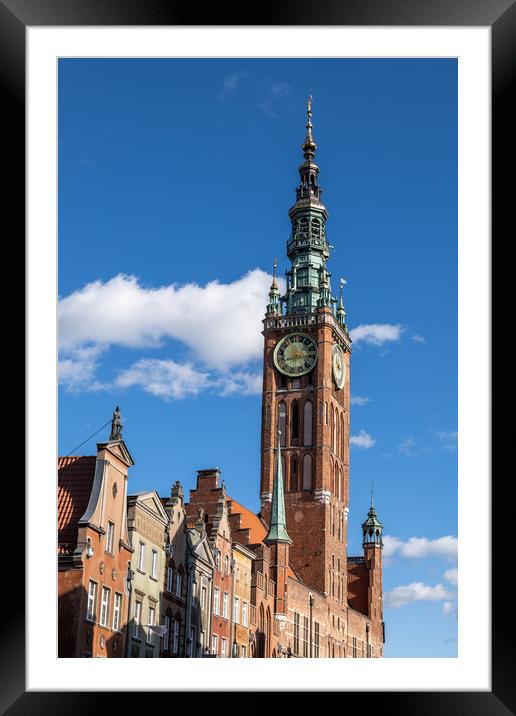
(321, 495)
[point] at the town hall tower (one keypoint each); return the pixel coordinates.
(306, 394)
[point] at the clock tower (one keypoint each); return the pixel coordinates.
(306, 394)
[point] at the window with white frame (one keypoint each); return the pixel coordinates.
(170, 579)
(226, 565)
(245, 618)
(236, 610)
(91, 612)
(225, 605)
(117, 608)
(223, 648)
(179, 583)
(175, 643)
(216, 602)
(204, 597)
(137, 619)
(150, 623)
(110, 537)
(243, 652)
(141, 557)
(104, 607)
(214, 644)
(154, 564)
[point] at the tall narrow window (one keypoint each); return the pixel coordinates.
(137, 619)
(332, 428)
(170, 579)
(294, 425)
(117, 605)
(305, 636)
(141, 557)
(236, 610)
(307, 427)
(166, 635)
(316, 640)
(175, 642)
(214, 644)
(216, 602)
(154, 564)
(225, 605)
(307, 472)
(337, 427)
(293, 474)
(342, 436)
(245, 619)
(150, 623)
(223, 648)
(104, 607)
(92, 602)
(282, 422)
(296, 632)
(179, 583)
(110, 537)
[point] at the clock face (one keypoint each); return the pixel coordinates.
(339, 365)
(296, 354)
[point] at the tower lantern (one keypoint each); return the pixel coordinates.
(372, 528)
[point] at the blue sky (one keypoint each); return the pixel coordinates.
(175, 179)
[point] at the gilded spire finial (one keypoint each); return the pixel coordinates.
(309, 145)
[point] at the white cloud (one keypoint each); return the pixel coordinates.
(123, 312)
(417, 338)
(376, 334)
(358, 400)
(173, 381)
(421, 547)
(276, 91)
(451, 575)
(449, 608)
(231, 83)
(77, 370)
(362, 440)
(415, 592)
(164, 378)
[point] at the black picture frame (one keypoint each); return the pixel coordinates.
(500, 16)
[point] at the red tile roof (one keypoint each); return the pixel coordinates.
(75, 480)
(358, 584)
(250, 521)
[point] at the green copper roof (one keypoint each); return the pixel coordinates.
(278, 524)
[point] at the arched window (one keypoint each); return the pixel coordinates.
(342, 436)
(316, 227)
(337, 433)
(307, 427)
(282, 422)
(340, 484)
(294, 425)
(293, 474)
(336, 480)
(307, 472)
(326, 413)
(332, 427)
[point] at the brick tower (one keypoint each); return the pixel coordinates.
(306, 394)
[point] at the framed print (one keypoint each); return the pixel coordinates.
(160, 157)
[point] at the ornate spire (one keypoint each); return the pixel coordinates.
(274, 307)
(309, 145)
(341, 313)
(278, 526)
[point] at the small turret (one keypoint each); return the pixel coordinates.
(372, 528)
(274, 306)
